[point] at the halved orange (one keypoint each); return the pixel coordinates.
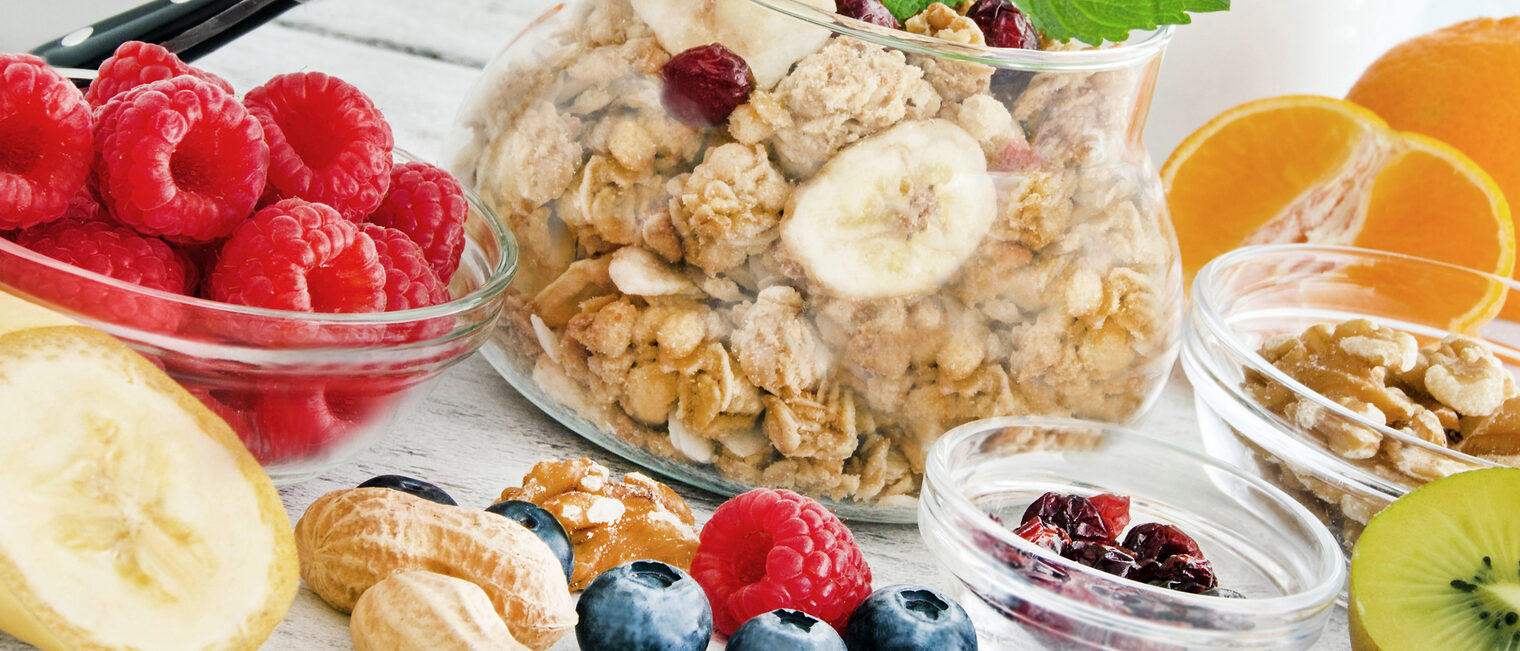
(1315, 169)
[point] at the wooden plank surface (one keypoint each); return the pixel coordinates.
(474, 435)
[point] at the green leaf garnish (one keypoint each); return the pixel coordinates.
(905, 9)
(1094, 21)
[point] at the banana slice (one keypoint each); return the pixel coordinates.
(769, 41)
(895, 214)
(133, 517)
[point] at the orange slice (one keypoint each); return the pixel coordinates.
(1315, 169)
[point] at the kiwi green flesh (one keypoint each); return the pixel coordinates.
(1440, 568)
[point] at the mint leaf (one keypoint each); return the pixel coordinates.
(905, 9)
(1094, 21)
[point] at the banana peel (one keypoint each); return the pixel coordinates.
(137, 518)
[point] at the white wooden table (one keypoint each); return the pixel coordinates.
(475, 435)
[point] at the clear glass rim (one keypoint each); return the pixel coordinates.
(1206, 298)
(1134, 51)
(1330, 560)
(496, 282)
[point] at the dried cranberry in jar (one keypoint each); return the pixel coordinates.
(1039, 532)
(871, 11)
(1160, 541)
(705, 84)
(1004, 25)
(1049, 507)
(1115, 511)
(1083, 520)
(1102, 556)
(1185, 573)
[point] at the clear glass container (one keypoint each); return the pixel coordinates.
(304, 392)
(1261, 542)
(897, 233)
(1245, 297)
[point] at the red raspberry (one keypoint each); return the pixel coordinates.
(769, 549)
(111, 250)
(327, 141)
(179, 158)
(300, 418)
(427, 204)
(409, 281)
(301, 256)
(136, 63)
(45, 142)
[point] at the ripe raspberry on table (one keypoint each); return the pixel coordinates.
(769, 549)
(300, 256)
(136, 63)
(45, 142)
(428, 204)
(179, 158)
(327, 141)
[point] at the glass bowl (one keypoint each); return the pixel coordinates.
(1260, 541)
(305, 392)
(790, 299)
(1245, 297)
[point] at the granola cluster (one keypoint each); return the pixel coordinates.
(1451, 394)
(657, 299)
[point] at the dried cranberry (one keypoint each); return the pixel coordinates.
(871, 11)
(1115, 511)
(1102, 556)
(1160, 541)
(705, 84)
(1185, 573)
(1040, 533)
(1004, 25)
(1143, 571)
(1082, 519)
(1049, 508)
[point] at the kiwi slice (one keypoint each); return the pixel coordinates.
(1440, 567)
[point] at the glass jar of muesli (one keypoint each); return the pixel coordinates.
(847, 238)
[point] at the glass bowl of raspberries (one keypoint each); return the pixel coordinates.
(273, 252)
(1067, 533)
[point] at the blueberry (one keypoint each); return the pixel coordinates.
(909, 618)
(544, 525)
(785, 629)
(643, 606)
(416, 487)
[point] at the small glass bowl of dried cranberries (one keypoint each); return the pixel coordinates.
(1068, 533)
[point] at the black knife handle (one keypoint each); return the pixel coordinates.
(157, 21)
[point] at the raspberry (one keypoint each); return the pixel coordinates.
(111, 250)
(769, 549)
(179, 158)
(327, 141)
(705, 84)
(299, 418)
(300, 256)
(45, 142)
(409, 281)
(136, 63)
(427, 204)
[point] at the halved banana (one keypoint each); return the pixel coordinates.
(895, 214)
(769, 41)
(133, 516)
